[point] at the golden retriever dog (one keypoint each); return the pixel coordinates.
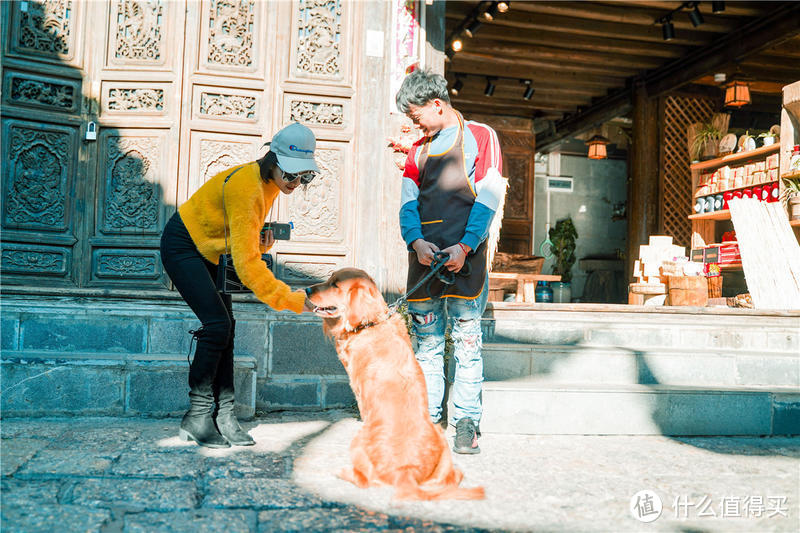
(397, 444)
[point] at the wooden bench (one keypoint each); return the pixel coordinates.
(524, 285)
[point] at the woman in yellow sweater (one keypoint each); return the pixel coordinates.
(192, 242)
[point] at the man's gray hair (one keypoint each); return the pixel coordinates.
(419, 88)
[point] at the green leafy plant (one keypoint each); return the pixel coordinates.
(563, 237)
(766, 134)
(791, 188)
(706, 135)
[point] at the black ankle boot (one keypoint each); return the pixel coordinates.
(225, 394)
(230, 429)
(201, 429)
(198, 422)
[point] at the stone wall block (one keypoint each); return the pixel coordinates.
(337, 394)
(9, 333)
(274, 395)
(301, 348)
(96, 333)
(50, 388)
(786, 414)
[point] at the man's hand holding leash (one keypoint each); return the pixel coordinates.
(458, 254)
(425, 251)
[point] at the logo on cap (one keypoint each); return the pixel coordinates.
(296, 149)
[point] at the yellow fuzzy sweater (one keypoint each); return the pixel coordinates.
(248, 200)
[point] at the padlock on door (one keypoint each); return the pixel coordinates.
(91, 131)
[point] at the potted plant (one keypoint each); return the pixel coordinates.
(563, 237)
(791, 197)
(705, 144)
(768, 138)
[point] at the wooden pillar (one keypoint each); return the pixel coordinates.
(644, 169)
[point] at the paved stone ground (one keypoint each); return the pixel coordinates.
(133, 474)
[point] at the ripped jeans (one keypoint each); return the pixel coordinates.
(429, 319)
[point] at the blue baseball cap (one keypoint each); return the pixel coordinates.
(294, 147)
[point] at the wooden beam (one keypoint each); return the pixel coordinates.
(736, 8)
(595, 28)
(602, 111)
(623, 13)
(484, 46)
(550, 64)
(489, 102)
(575, 79)
(541, 86)
(560, 102)
(780, 24)
(581, 42)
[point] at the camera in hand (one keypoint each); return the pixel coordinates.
(281, 231)
(228, 281)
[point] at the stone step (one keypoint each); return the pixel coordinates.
(640, 327)
(553, 364)
(108, 384)
(530, 408)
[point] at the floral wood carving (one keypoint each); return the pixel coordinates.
(216, 156)
(45, 26)
(120, 99)
(317, 113)
(116, 265)
(230, 28)
(42, 93)
(227, 105)
(139, 26)
(315, 209)
(320, 32)
(39, 167)
(34, 262)
(296, 271)
(132, 201)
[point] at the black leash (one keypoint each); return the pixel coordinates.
(446, 277)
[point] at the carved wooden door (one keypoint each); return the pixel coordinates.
(42, 157)
(247, 75)
(178, 92)
(518, 163)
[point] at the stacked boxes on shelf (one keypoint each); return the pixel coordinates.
(757, 179)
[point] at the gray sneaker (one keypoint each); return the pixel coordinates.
(466, 440)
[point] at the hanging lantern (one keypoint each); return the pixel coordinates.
(737, 93)
(597, 147)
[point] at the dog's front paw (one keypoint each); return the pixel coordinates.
(350, 474)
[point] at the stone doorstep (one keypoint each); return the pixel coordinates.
(610, 364)
(42, 384)
(521, 408)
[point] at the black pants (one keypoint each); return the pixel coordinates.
(211, 372)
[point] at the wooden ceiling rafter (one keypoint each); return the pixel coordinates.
(584, 58)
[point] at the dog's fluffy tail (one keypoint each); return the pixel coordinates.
(409, 489)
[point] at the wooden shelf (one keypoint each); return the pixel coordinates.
(724, 214)
(736, 158)
(795, 222)
(791, 175)
(732, 266)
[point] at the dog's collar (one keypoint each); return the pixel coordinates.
(361, 327)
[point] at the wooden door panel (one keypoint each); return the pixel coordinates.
(211, 153)
(50, 31)
(39, 168)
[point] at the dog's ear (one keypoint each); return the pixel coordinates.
(364, 303)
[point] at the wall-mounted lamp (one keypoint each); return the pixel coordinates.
(472, 28)
(529, 90)
(597, 147)
(492, 12)
(667, 28)
(503, 6)
(717, 6)
(695, 16)
(457, 86)
(489, 90)
(456, 45)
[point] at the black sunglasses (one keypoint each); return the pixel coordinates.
(306, 177)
